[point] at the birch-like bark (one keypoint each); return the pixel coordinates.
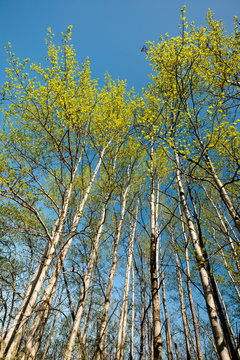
(82, 348)
(142, 318)
(123, 317)
(232, 351)
(183, 309)
(164, 301)
(206, 285)
(192, 339)
(157, 331)
(85, 288)
(228, 321)
(104, 320)
(15, 333)
(52, 330)
(133, 317)
(87, 319)
(42, 312)
(190, 297)
(150, 327)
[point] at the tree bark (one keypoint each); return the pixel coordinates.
(157, 330)
(104, 320)
(167, 325)
(183, 309)
(190, 297)
(86, 282)
(123, 317)
(131, 357)
(42, 313)
(211, 307)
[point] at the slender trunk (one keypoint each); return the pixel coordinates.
(123, 317)
(150, 338)
(145, 325)
(211, 339)
(220, 312)
(183, 309)
(133, 318)
(14, 335)
(42, 313)
(52, 330)
(87, 319)
(157, 331)
(192, 339)
(142, 317)
(104, 320)
(228, 321)
(211, 307)
(85, 287)
(190, 297)
(167, 325)
(176, 351)
(82, 348)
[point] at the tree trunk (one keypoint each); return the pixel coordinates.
(167, 325)
(15, 333)
(190, 297)
(87, 319)
(157, 331)
(104, 320)
(183, 309)
(85, 287)
(52, 330)
(211, 307)
(131, 357)
(220, 312)
(42, 313)
(123, 317)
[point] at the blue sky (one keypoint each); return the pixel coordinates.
(110, 32)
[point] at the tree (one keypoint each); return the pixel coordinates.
(96, 181)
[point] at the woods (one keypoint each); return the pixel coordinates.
(120, 212)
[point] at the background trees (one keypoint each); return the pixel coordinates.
(120, 213)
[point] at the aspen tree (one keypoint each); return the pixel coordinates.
(131, 356)
(190, 297)
(182, 303)
(46, 122)
(103, 324)
(124, 310)
(210, 303)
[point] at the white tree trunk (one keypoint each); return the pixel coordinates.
(85, 288)
(104, 320)
(194, 317)
(211, 307)
(123, 317)
(183, 309)
(164, 301)
(42, 312)
(133, 317)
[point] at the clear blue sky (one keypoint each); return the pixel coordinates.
(110, 32)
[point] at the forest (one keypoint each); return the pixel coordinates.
(120, 212)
